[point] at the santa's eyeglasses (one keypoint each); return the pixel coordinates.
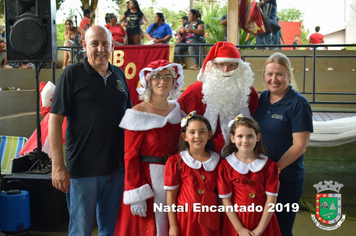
(229, 65)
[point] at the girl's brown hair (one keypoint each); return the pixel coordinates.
(183, 145)
(250, 123)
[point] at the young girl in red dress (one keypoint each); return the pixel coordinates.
(247, 183)
(184, 189)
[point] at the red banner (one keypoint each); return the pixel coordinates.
(132, 59)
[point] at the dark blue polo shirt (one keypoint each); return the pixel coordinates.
(278, 122)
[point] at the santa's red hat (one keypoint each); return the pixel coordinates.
(158, 66)
(220, 52)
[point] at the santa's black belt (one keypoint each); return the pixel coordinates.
(151, 159)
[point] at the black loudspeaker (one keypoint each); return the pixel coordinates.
(31, 32)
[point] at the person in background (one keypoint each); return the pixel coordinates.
(180, 35)
(276, 38)
(184, 19)
(296, 42)
(247, 177)
(85, 23)
(224, 23)
(285, 119)
(193, 32)
(316, 38)
(133, 17)
(159, 32)
(152, 130)
(117, 31)
(70, 33)
(194, 160)
(93, 96)
(267, 39)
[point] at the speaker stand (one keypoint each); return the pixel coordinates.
(41, 156)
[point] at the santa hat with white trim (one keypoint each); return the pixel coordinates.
(220, 52)
(159, 65)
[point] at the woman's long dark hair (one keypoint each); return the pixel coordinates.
(196, 13)
(161, 16)
(137, 6)
(183, 145)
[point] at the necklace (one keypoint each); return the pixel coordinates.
(159, 107)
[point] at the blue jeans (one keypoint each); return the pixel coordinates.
(289, 192)
(267, 39)
(98, 195)
(264, 40)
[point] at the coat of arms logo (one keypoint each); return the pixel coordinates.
(328, 205)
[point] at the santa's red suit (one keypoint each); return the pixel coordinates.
(192, 97)
(191, 100)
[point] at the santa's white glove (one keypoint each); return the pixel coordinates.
(139, 208)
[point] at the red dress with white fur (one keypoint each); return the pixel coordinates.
(189, 185)
(146, 134)
(247, 185)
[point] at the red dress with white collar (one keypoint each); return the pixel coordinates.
(146, 134)
(189, 185)
(248, 185)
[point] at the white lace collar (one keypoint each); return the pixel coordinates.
(140, 121)
(208, 165)
(243, 168)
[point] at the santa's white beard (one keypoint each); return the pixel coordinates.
(226, 95)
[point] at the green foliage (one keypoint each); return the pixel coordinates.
(246, 38)
(60, 34)
(211, 15)
(290, 15)
(294, 15)
(351, 48)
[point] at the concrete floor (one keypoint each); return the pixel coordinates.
(304, 226)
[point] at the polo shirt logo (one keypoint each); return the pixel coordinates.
(119, 86)
(276, 116)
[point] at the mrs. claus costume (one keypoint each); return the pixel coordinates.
(192, 97)
(153, 136)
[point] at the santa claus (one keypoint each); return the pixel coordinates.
(223, 90)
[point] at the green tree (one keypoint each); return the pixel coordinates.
(294, 15)
(211, 15)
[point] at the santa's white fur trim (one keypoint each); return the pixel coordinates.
(157, 179)
(227, 59)
(139, 121)
(138, 194)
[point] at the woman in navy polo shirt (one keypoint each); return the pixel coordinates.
(285, 118)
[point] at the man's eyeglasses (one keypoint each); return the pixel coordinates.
(165, 77)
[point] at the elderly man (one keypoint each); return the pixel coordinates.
(223, 90)
(94, 96)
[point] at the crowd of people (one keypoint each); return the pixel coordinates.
(142, 169)
(128, 31)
